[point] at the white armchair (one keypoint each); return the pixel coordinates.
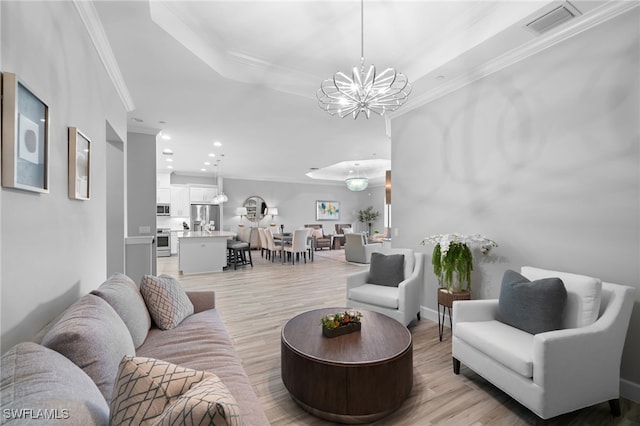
(402, 302)
(554, 372)
(357, 250)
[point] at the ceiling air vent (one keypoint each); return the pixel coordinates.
(553, 18)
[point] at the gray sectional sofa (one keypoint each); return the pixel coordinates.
(67, 375)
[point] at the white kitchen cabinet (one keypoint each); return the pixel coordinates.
(202, 194)
(179, 201)
(163, 195)
(163, 180)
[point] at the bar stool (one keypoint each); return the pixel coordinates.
(238, 253)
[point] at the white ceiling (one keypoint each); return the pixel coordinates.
(245, 73)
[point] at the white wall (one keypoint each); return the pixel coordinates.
(543, 157)
(53, 248)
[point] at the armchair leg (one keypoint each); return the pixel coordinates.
(418, 316)
(456, 366)
(614, 406)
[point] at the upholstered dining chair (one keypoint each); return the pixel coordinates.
(271, 248)
(391, 286)
(298, 245)
(263, 241)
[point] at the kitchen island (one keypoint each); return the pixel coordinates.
(202, 251)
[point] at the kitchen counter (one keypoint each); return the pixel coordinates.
(202, 251)
(207, 234)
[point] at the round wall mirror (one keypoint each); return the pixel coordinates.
(256, 208)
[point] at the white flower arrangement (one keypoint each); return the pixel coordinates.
(452, 255)
(445, 240)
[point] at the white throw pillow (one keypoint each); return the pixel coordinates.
(583, 295)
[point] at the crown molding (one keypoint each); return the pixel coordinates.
(600, 15)
(92, 23)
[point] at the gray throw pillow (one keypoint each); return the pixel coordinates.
(37, 378)
(531, 306)
(166, 300)
(124, 297)
(92, 335)
(386, 269)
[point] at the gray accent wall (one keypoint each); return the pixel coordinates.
(53, 249)
(543, 157)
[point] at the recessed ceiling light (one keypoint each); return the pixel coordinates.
(203, 170)
(165, 136)
(206, 163)
(167, 151)
(169, 167)
(168, 160)
(212, 155)
(217, 143)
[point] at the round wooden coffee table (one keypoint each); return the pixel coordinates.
(355, 378)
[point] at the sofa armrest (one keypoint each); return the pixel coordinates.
(357, 279)
(409, 289)
(202, 300)
(474, 310)
(598, 347)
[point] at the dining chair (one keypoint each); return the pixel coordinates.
(298, 245)
(263, 241)
(272, 247)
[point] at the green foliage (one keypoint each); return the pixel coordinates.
(457, 259)
(368, 215)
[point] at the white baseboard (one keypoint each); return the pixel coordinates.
(630, 390)
(432, 315)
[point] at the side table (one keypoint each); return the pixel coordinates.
(446, 299)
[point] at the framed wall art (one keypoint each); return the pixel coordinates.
(79, 165)
(327, 210)
(25, 137)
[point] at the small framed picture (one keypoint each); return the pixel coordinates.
(79, 165)
(327, 210)
(25, 137)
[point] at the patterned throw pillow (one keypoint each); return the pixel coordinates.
(151, 391)
(206, 403)
(166, 300)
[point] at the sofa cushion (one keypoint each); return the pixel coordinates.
(36, 378)
(532, 306)
(379, 295)
(150, 390)
(583, 295)
(166, 300)
(92, 335)
(386, 269)
(205, 333)
(508, 345)
(124, 297)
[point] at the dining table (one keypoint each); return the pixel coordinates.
(286, 239)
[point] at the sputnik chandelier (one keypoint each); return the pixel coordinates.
(363, 92)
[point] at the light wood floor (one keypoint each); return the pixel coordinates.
(256, 302)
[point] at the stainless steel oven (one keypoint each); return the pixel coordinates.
(163, 242)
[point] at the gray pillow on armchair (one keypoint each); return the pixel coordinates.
(386, 269)
(531, 306)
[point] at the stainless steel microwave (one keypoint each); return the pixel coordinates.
(163, 210)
